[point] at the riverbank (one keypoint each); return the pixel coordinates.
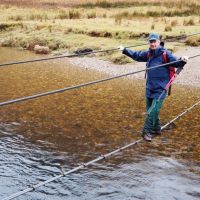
(62, 27)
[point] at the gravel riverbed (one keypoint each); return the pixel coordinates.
(189, 76)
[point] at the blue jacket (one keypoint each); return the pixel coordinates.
(157, 78)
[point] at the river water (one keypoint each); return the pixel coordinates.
(41, 136)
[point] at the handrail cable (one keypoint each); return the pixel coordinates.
(85, 84)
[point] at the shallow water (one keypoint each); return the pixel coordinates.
(38, 137)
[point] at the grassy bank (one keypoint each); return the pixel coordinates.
(69, 25)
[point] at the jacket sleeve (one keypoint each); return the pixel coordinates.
(140, 56)
(172, 58)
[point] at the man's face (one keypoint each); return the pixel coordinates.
(154, 44)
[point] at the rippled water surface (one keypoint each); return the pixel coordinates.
(39, 137)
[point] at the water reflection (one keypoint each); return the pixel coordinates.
(125, 176)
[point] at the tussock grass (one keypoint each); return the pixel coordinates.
(63, 15)
(71, 14)
(74, 14)
(118, 58)
(16, 18)
(10, 26)
(168, 28)
(128, 3)
(189, 22)
(92, 15)
(193, 41)
(38, 16)
(157, 13)
(4, 26)
(174, 22)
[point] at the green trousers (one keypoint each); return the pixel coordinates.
(152, 121)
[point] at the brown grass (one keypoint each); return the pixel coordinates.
(100, 3)
(168, 28)
(71, 24)
(193, 41)
(189, 22)
(174, 23)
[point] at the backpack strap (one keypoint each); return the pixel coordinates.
(148, 54)
(172, 70)
(165, 56)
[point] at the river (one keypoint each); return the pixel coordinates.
(41, 136)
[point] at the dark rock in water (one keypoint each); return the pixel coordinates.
(170, 126)
(82, 51)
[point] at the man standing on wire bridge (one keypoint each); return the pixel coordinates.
(157, 79)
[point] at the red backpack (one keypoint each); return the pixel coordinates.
(172, 70)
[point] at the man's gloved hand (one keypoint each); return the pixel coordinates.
(121, 48)
(184, 59)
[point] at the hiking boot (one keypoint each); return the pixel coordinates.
(147, 136)
(157, 132)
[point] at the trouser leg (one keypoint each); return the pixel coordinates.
(157, 127)
(152, 121)
(148, 103)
